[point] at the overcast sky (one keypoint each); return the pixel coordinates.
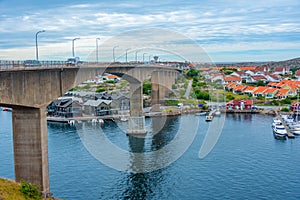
(223, 29)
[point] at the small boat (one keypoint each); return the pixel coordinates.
(200, 114)
(123, 119)
(295, 132)
(287, 118)
(209, 118)
(218, 112)
(279, 131)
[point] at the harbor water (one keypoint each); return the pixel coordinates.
(246, 162)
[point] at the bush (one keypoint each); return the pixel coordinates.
(286, 101)
(229, 97)
(192, 73)
(101, 89)
(30, 191)
(285, 109)
(171, 102)
(147, 88)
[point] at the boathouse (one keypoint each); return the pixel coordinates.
(239, 105)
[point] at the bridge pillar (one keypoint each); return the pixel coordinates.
(136, 122)
(155, 92)
(30, 142)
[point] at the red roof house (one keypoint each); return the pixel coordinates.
(239, 105)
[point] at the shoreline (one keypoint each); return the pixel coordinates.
(170, 113)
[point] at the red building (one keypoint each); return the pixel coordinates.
(295, 106)
(239, 105)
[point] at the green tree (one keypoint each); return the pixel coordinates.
(192, 73)
(260, 83)
(286, 101)
(146, 87)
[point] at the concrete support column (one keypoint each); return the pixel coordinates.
(136, 122)
(155, 92)
(30, 142)
(162, 86)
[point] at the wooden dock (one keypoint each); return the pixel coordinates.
(289, 134)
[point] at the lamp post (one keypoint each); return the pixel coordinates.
(144, 57)
(36, 44)
(73, 53)
(114, 53)
(149, 58)
(126, 53)
(97, 48)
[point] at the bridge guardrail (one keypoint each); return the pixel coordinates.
(19, 64)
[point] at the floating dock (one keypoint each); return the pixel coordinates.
(289, 134)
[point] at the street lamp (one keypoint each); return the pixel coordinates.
(73, 46)
(144, 57)
(114, 53)
(126, 53)
(97, 48)
(149, 58)
(36, 44)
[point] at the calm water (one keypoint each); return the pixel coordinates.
(246, 163)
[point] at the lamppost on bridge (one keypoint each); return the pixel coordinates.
(144, 57)
(73, 53)
(97, 48)
(114, 57)
(36, 44)
(126, 54)
(150, 58)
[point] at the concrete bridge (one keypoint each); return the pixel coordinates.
(28, 90)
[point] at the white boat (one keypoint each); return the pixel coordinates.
(209, 118)
(287, 118)
(123, 119)
(276, 121)
(218, 112)
(279, 131)
(200, 114)
(295, 132)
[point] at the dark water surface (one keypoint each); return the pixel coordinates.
(246, 163)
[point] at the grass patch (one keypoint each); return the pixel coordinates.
(10, 190)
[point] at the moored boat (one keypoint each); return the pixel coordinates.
(209, 118)
(279, 131)
(200, 114)
(218, 112)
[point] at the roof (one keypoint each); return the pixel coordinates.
(246, 68)
(260, 89)
(237, 102)
(230, 84)
(270, 90)
(279, 69)
(274, 76)
(112, 76)
(63, 103)
(205, 69)
(96, 103)
(232, 78)
(282, 92)
(239, 87)
(250, 88)
(259, 78)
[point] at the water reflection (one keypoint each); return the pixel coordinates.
(142, 185)
(242, 117)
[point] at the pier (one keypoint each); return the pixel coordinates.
(289, 134)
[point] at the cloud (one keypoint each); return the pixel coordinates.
(217, 24)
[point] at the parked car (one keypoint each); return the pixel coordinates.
(32, 63)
